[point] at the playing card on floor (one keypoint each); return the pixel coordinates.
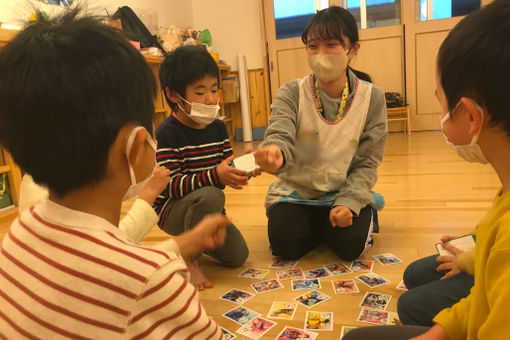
(282, 310)
(254, 273)
(312, 298)
(375, 301)
(319, 321)
(306, 284)
(372, 280)
(291, 333)
(256, 327)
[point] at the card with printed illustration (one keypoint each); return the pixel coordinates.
(316, 273)
(393, 319)
(337, 269)
(290, 274)
(240, 314)
(345, 330)
(319, 321)
(227, 334)
(372, 279)
(282, 310)
(362, 266)
(311, 298)
(266, 286)
(345, 286)
(375, 301)
(256, 328)
(237, 296)
(401, 286)
(254, 273)
(291, 333)
(306, 284)
(283, 264)
(387, 258)
(373, 316)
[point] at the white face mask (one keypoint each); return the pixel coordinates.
(201, 113)
(328, 67)
(470, 152)
(135, 188)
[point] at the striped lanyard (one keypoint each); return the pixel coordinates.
(345, 93)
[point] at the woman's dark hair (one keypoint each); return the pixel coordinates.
(334, 23)
(474, 61)
(68, 85)
(184, 66)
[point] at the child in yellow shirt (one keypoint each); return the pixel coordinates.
(473, 67)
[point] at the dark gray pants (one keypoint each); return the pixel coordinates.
(296, 229)
(187, 211)
(427, 295)
(385, 333)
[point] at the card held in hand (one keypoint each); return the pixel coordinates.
(465, 243)
(246, 163)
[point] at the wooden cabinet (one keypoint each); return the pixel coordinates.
(226, 109)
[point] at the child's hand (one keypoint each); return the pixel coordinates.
(340, 216)
(446, 238)
(449, 263)
(269, 158)
(231, 176)
(210, 232)
(158, 182)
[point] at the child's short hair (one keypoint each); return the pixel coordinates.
(67, 86)
(185, 66)
(474, 61)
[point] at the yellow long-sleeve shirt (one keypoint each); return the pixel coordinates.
(483, 314)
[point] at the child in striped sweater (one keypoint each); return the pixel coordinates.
(76, 106)
(194, 145)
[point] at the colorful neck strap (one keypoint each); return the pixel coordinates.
(345, 93)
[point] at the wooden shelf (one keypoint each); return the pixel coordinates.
(4, 168)
(224, 67)
(8, 214)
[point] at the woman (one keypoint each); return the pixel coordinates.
(325, 139)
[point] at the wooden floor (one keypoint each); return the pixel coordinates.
(429, 191)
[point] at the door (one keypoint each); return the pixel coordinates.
(399, 43)
(284, 20)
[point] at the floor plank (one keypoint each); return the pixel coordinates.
(429, 191)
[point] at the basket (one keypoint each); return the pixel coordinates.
(230, 89)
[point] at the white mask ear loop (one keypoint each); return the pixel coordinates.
(129, 145)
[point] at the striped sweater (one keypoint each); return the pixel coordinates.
(192, 156)
(69, 274)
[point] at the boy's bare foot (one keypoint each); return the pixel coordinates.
(198, 279)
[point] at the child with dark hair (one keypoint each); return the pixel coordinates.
(76, 106)
(476, 123)
(325, 140)
(194, 145)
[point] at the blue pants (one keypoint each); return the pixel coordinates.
(427, 295)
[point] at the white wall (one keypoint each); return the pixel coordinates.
(235, 28)
(234, 24)
(177, 12)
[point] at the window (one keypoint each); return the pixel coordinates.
(441, 9)
(291, 16)
(374, 13)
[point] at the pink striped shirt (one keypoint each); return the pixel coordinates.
(68, 274)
